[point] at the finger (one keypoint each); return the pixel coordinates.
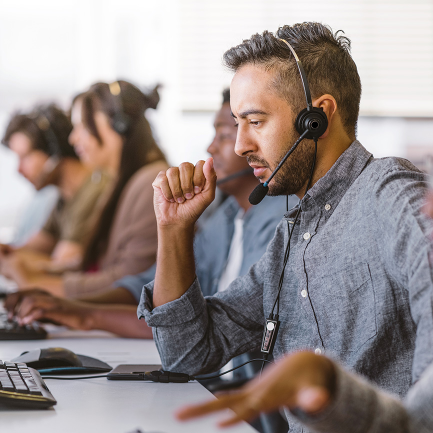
(37, 314)
(199, 179)
(186, 174)
(194, 411)
(312, 399)
(27, 305)
(243, 411)
(11, 302)
(161, 182)
(174, 183)
(210, 175)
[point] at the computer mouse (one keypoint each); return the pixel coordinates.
(52, 357)
(58, 360)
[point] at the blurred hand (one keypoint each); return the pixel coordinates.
(32, 305)
(303, 380)
(182, 193)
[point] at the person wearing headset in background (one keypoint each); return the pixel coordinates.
(40, 140)
(216, 258)
(356, 282)
(325, 398)
(111, 133)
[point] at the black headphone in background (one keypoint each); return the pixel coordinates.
(311, 123)
(40, 119)
(120, 122)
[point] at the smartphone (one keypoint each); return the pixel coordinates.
(131, 371)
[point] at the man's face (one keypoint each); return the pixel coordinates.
(226, 162)
(266, 131)
(32, 162)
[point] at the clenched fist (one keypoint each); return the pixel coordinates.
(181, 194)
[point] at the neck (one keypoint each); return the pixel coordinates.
(328, 152)
(72, 175)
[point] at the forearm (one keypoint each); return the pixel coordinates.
(120, 319)
(51, 283)
(115, 296)
(175, 270)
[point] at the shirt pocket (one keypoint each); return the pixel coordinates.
(349, 314)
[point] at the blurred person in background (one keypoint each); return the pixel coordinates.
(111, 133)
(49, 162)
(212, 248)
(231, 240)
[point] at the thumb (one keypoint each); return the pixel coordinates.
(210, 175)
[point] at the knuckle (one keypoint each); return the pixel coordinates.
(186, 166)
(172, 172)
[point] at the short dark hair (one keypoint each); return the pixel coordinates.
(325, 57)
(226, 96)
(47, 127)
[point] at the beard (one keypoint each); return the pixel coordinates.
(295, 172)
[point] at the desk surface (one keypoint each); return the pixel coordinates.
(100, 405)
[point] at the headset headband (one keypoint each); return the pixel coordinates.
(303, 75)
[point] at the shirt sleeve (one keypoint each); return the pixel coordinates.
(134, 283)
(196, 334)
(398, 199)
(358, 407)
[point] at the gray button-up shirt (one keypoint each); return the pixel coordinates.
(357, 286)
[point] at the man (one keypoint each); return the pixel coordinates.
(40, 140)
(222, 251)
(357, 279)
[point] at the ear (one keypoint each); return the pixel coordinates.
(329, 106)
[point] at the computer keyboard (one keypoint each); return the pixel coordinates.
(22, 386)
(11, 330)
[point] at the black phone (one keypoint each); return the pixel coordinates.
(131, 371)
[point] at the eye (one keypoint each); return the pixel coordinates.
(255, 122)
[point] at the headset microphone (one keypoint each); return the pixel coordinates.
(240, 173)
(311, 123)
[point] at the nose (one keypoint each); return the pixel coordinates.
(71, 137)
(244, 144)
(213, 146)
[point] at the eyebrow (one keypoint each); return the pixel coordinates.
(245, 113)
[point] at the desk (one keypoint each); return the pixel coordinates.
(103, 406)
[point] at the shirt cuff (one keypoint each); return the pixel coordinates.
(357, 407)
(182, 310)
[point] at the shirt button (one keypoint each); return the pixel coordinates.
(327, 206)
(307, 236)
(318, 351)
(304, 293)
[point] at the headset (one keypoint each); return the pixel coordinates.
(233, 176)
(311, 123)
(120, 122)
(40, 119)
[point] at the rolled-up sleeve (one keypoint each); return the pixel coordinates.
(358, 407)
(196, 334)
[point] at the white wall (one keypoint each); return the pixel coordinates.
(50, 50)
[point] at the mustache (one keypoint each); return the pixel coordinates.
(252, 159)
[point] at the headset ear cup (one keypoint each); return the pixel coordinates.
(120, 123)
(313, 120)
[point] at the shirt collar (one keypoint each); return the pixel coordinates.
(330, 189)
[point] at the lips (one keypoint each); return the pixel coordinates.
(259, 170)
